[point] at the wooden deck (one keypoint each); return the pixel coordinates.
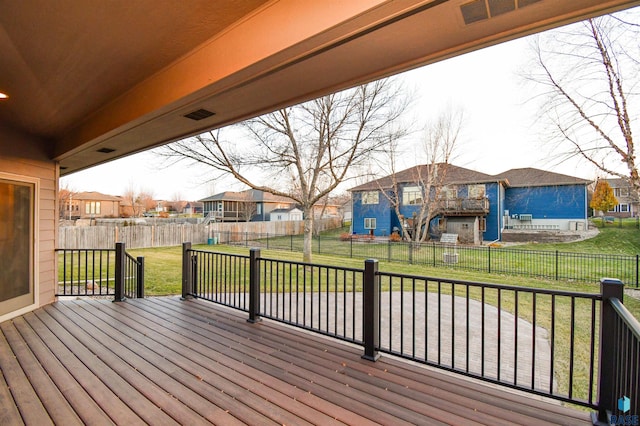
(165, 361)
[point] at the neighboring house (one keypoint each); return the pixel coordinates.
(538, 199)
(251, 204)
(91, 205)
(474, 205)
(194, 207)
(279, 215)
(627, 204)
(469, 203)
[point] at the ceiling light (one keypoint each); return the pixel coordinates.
(3, 95)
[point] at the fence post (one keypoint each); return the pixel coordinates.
(120, 272)
(187, 278)
(254, 286)
(371, 310)
(140, 274)
(351, 247)
(410, 252)
(609, 288)
(556, 265)
(388, 250)
(637, 267)
(489, 258)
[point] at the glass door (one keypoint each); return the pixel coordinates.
(17, 201)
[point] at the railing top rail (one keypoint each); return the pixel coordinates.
(315, 265)
(130, 257)
(626, 316)
(595, 296)
(240, 256)
(85, 249)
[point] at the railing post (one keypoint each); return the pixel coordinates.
(120, 273)
(187, 278)
(140, 274)
(371, 310)
(609, 288)
(489, 259)
(254, 286)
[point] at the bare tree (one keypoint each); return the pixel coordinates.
(590, 74)
(65, 202)
(246, 205)
(315, 145)
(423, 186)
(137, 201)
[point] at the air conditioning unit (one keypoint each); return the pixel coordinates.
(526, 217)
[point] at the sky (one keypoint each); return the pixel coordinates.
(499, 131)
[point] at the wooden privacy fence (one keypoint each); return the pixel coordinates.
(141, 236)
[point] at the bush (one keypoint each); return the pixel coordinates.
(395, 237)
(345, 236)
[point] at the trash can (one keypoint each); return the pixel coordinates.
(210, 241)
(215, 240)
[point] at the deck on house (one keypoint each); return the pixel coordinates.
(166, 361)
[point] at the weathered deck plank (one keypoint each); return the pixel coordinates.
(163, 361)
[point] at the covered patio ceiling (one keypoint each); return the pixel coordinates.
(99, 80)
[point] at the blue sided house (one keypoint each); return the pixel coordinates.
(476, 206)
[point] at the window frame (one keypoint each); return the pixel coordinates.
(370, 221)
(370, 198)
(412, 195)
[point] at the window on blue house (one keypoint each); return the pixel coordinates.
(370, 197)
(369, 223)
(411, 195)
(476, 191)
(449, 192)
(482, 224)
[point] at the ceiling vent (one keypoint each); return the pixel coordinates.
(105, 150)
(200, 114)
(479, 10)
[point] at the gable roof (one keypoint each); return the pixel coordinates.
(529, 176)
(94, 196)
(249, 195)
(453, 175)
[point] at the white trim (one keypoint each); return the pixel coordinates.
(35, 242)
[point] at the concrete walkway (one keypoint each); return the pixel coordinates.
(450, 339)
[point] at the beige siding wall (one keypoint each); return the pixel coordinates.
(26, 156)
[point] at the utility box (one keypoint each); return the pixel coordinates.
(450, 254)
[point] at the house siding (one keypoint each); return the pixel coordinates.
(381, 212)
(548, 202)
(23, 155)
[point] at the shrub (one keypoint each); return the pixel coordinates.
(345, 236)
(395, 237)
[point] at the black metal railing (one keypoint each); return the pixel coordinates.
(219, 277)
(515, 336)
(546, 342)
(556, 265)
(620, 384)
(100, 272)
(321, 298)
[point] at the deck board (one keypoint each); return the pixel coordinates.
(164, 361)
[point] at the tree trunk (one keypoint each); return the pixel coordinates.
(308, 235)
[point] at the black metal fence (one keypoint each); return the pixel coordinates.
(100, 272)
(556, 265)
(546, 342)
